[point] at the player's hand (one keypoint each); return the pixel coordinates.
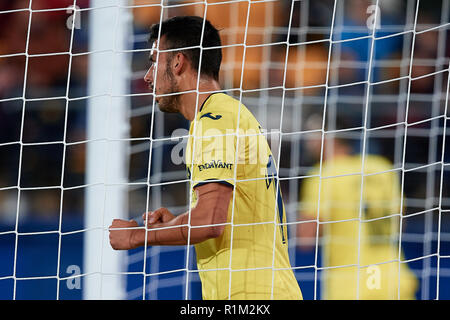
(158, 216)
(123, 239)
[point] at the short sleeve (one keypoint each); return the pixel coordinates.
(213, 153)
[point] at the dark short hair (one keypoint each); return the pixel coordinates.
(186, 31)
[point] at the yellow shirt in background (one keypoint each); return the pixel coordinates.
(371, 243)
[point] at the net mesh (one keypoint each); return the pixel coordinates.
(380, 65)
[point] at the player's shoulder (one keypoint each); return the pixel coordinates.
(370, 161)
(221, 109)
(377, 163)
(216, 109)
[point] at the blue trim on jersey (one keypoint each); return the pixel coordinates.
(280, 206)
(272, 176)
(213, 181)
(210, 115)
(201, 107)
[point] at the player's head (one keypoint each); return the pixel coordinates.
(173, 66)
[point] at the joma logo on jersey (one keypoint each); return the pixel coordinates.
(214, 165)
(210, 115)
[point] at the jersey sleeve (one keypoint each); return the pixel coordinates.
(213, 152)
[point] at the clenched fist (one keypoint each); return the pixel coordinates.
(124, 239)
(160, 215)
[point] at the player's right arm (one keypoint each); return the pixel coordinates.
(306, 232)
(207, 221)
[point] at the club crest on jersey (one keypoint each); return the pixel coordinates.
(214, 165)
(210, 115)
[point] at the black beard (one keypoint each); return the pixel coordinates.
(170, 103)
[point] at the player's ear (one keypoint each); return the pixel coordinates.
(179, 63)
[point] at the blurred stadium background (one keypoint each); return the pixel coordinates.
(43, 127)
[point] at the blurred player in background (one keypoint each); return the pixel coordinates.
(236, 223)
(348, 243)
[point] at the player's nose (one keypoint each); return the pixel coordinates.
(148, 78)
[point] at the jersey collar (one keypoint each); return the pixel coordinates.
(206, 100)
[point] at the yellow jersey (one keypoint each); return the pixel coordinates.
(250, 259)
(361, 230)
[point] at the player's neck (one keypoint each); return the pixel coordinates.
(190, 105)
(341, 151)
(336, 151)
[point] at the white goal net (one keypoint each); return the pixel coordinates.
(82, 140)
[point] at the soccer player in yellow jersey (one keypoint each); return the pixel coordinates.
(358, 229)
(237, 218)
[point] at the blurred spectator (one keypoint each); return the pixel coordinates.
(43, 119)
(359, 20)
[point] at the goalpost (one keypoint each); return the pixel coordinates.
(107, 147)
(286, 61)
